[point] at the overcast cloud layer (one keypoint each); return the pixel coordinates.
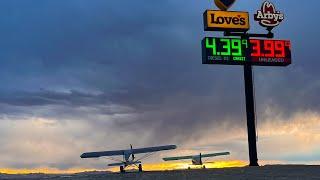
(81, 75)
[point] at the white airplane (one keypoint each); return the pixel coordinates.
(127, 153)
(196, 159)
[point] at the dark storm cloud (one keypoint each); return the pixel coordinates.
(144, 56)
(72, 98)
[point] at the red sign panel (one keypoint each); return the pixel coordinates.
(270, 52)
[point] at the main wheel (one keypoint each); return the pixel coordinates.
(122, 169)
(140, 168)
(204, 166)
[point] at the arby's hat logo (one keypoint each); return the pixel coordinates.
(268, 16)
(224, 4)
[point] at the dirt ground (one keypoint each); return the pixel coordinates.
(283, 172)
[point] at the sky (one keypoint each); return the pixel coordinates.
(79, 75)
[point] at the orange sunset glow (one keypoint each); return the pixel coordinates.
(147, 167)
(185, 165)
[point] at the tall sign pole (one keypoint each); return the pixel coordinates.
(251, 127)
(245, 51)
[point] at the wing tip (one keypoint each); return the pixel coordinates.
(174, 146)
(83, 155)
(165, 159)
(89, 155)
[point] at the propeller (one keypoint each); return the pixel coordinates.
(200, 159)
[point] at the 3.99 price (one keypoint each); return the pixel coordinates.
(269, 48)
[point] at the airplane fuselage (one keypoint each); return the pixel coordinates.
(127, 154)
(196, 160)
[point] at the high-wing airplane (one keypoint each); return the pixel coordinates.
(127, 153)
(196, 159)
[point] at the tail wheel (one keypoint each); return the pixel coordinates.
(140, 168)
(122, 169)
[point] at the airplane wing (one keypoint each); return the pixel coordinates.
(102, 153)
(177, 158)
(190, 157)
(153, 149)
(215, 154)
(122, 152)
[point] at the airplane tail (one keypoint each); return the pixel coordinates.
(132, 153)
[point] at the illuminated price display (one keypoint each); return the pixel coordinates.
(235, 51)
(270, 52)
(224, 50)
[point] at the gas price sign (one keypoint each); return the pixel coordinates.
(224, 51)
(236, 51)
(270, 52)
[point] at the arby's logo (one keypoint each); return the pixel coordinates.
(268, 16)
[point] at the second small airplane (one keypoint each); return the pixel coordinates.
(196, 159)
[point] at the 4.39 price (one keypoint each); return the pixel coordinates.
(269, 48)
(226, 46)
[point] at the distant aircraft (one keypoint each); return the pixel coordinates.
(196, 159)
(127, 154)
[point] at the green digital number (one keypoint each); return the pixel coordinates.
(226, 47)
(236, 46)
(212, 46)
(245, 42)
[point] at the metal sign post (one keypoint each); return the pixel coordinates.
(251, 126)
(250, 101)
(245, 51)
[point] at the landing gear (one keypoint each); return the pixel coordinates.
(122, 169)
(189, 168)
(204, 167)
(140, 168)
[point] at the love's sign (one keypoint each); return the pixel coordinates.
(226, 20)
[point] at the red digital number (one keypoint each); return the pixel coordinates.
(256, 50)
(288, 44)
(269, 46)
(279, 47)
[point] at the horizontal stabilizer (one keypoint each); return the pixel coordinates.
(116, 164)
(125, 164)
